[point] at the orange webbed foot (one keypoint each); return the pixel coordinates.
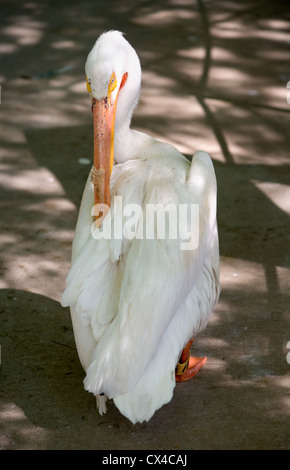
(188, 366)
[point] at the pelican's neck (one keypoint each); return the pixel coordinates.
(128, 143)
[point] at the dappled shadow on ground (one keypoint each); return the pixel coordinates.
(239, 394)
(214, 77)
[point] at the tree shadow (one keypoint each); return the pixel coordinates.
(44, 406)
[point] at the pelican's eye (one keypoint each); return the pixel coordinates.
(88, 85)
(112, 84)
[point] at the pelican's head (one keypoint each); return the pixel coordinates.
(113, 76)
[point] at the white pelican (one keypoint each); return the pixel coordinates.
(136, 301)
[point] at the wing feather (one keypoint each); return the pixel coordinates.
(158, 278)
(141, 300)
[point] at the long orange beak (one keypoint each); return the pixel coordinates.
(104, 120)
(104, 112)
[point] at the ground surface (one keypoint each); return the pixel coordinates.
(215, 77)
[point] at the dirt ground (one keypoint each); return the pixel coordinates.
(215, 77)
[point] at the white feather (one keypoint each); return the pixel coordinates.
(135, 303)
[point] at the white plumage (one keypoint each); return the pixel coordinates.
(136, 302)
